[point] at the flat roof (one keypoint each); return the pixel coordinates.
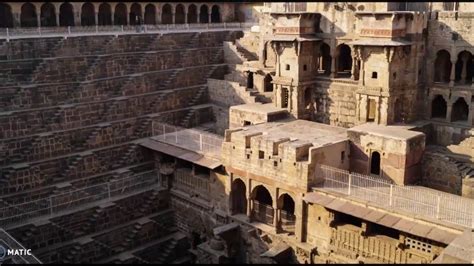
(267, 108)
(291, 38)
(394, 132)
(380, 42)
(299, 132)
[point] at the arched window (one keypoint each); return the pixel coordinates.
(238, 197)
(28, 17)
(215, 14)
(120, 16)
(325, 60)
(87, 15)
(460, 111)
(267, 81)
(192, 14)
(204, 14)
(6, 17)
(262, 205)
(464, 68)
(286, 205)
(105, 14)
(48, 15)
(166, 16)
(136, 14)
(179, 16)
(442, 66)
(344, 61)
(439, 107)
(66, 15)
(150, 14)
(375, 163)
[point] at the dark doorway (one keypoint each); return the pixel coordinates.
(28, 15)
(150, 14)
(460, 111)
(239, 201)
(267, 81)
(166, 16)
(120, 16)
(215, 14)
(48, 15)
(325, 60)
(204, 14)
(179, 16)
(375, 163)
(250, 80)
(442, 67)
(87, 15)
(344, 61)
(66, 15)
(105, 14)
(371, 110)
(438, 107)
(192, 14)
(136, 14)
(6, 17)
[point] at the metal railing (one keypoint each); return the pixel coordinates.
(416, 200)
(13, 33)
(53, 204)
(8, 241)
(188, 138)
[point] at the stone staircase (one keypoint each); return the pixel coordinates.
(144, 126)
(71, 166)
(125, 157)
(165, 253)
(249, 56)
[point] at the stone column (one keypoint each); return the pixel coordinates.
(38, 19)
(158, 17)
(57, 18)
(209, 17)
(353, 70)
(290, 99)
(249, 200)
(463, 69)
(299, 214)
(470, 116)
(333, 66)
(173, 18)
(96, 22)
(16, 20)
(112, 14)
(275, 215)
(449, 110)
(198, 15)
(453, 74)
(185, 17)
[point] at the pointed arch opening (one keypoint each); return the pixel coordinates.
(262, 205)
(215, 14)
(166, 16)
(286, 208)
(442, 66)
(204, 14)
(48, 15)
(150, 14)
(460, 111)
(66, 15)
(105, 14)
(375, 163)
(464, 68)
(267, 83)
(120, 14)
(325, 60)
(28, 16)
(6, 16)
(192, 14)
(87, 15)
(135, 16)
(238, 197)
(179, 16)
(439, 107)
(344, 61)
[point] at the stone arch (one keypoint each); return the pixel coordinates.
(267, 83)
(325, 59)
(442, 66)
(375, 160)
(105, 14)
(238, 197)
(192, 14)
(262, 205)
(120, 14)
(150, 14)
(87, 14)
(215, 14)
(344, 60)
(166, 14)
(6, 16)
(179, 15)
(28, 16)
(286, 213)
(204, 14)
(439, 107)
(460, 110)
(48, 15)
(135, 15)
(464, 68)
(261, 194)
(66, 15)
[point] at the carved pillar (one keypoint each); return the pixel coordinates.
(449, 110)
(173, 18)
(463, 69)
(333, 66)
(38, 19)
(96, 22)
(57, 18)
(470, 115)
(275, 215)
(300, 217)
(112, 14)
(185, 17)
(209, 17)
(453, 74)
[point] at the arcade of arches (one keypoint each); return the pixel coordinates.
(64, 14)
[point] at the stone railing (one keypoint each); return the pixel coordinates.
(63, 202)
(15, 33)
(415, 200)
